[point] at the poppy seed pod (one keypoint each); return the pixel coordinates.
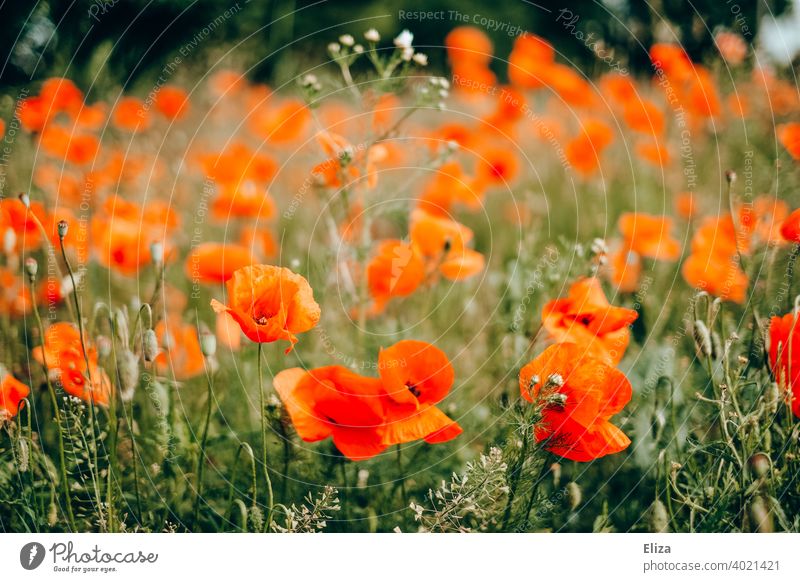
(149, 345)
(63, 228)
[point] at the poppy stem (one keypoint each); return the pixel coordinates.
(56, 411)
(201, 461)
(402, 476)
(270, 499)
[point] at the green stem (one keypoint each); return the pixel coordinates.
(270, 499)
(201, 461)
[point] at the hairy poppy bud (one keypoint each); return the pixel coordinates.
(657, 517)
(574, 495)
(128, 368)
(157, 253)
(730, 176)
(760, 516)
(31, 268)
(759, 463)
(555, 469)
(149, 345)
(702, 339)
(25, 199)
(208, 343)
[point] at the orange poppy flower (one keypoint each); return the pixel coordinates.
(474, 78)
(172, 102)
(396, 270)
(461, 264)
(468, 44)
(625, 269)
(270, 303)
(713, 265)
(496, 166)
(436, 235)
(243, 200)
(63, 355)
(416, 376)
(61, 94)
(649, 236)
(685, 205)
(211, 263)
(579, 395)
(449, 186)
(335, 402)
(672, 60)
(784, 357)
(654, 153)
(77, 148)
(181, 351)
(529, 62)
(789, 136)
(130, 115)
(12, 391)
(15, 297)
(790, 229)
(19, 219)
(644, 117)
(761, 221)
(618, 87)
(281, 123)
(586, 318)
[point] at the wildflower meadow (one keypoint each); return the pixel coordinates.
(459, 284)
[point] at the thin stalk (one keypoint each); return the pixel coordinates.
(201, 461)
(270, 500)
(56, 412)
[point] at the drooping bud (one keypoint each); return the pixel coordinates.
(760, 516)
(157, 253)
(25, 199)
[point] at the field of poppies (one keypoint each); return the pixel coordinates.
(381, 298)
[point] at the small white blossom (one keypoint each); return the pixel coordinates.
(421, 59)
(347, 40)
(372, 35)
(404, 39)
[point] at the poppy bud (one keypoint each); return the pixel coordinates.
(702, 339)
(208, 343)
(63, 227)
(363, 476)
(555, 469)
(128, 368)
(25, 199)
(574, 495)
(657, 517)
(730, 176)
(760, 516)
(157, 253)
(759, 463)
(555, 381)
(149, 345)
(773, 396)
(716, 346)
(31, 267)
(103, 344)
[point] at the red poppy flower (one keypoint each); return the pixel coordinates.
(12, 391)
(579, 395)
(784, 357)
(270, 303)
(586, 318)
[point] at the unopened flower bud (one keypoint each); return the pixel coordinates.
(63, 228)
(657, 517)
(31, 268)
(25, 199)
(555, 380)
(702, 339)
(372, 35)
(421, 59)
(149, 345)
(157, 253)
(760, 516)
(128, 369)
(347, 40)
(555, 469)
(208, 343)
(730, 176)
(759, 464)
(574, 495)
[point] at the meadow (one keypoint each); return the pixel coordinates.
(379, 299)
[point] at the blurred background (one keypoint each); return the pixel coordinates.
(103, 44)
